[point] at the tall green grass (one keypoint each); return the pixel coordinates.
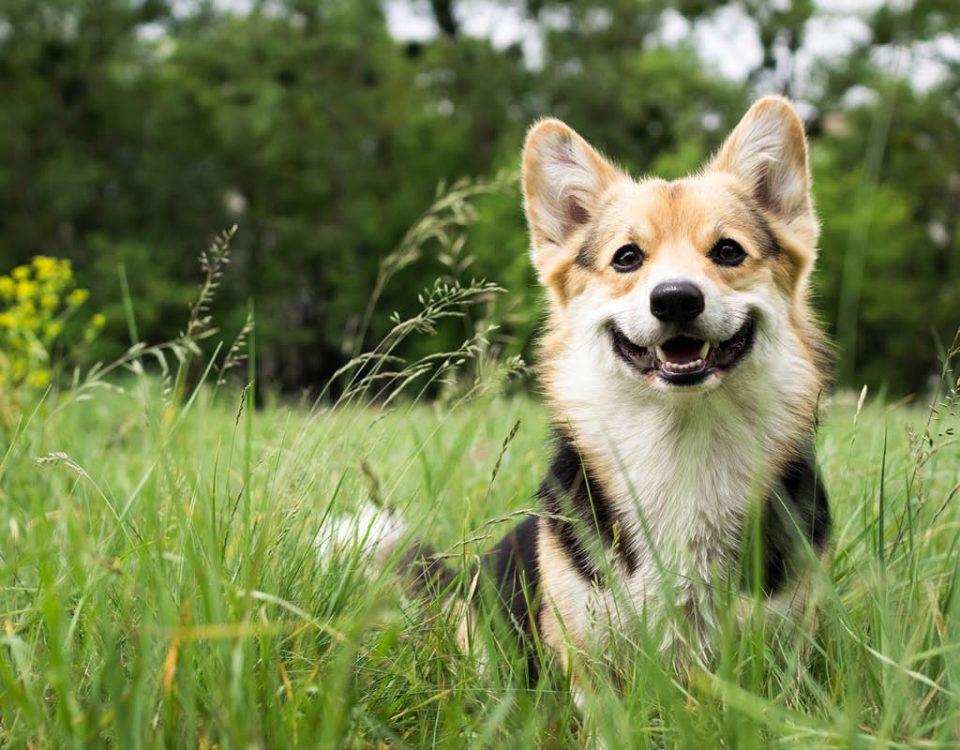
(161, 587)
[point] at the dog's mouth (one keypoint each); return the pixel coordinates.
(684, 360)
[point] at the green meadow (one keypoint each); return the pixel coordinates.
(161, 585)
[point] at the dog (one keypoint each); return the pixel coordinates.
(682, 366)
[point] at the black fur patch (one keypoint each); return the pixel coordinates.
(796, 511)
(514, 567)
(581, 515)
(766, 238)
(587, 254)
(595, 240)
(517, 573)
(769, 244)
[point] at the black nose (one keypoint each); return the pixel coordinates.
(676, 301)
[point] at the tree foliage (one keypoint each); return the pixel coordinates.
(132, 131)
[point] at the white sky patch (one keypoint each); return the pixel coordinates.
(151, 32)
(830, 37)
(503, 25)
(926, 64)
(674, 28)
(859, 96)
(827, 38)
(410, 21)
(850, 6)
(729, 42)
(186, 7)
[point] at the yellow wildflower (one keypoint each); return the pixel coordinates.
(77, 297)
(26, 289)
(30, 296)
(27, 317)
(45, 267)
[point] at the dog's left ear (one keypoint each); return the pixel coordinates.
(768, 152)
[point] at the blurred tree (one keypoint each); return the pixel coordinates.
(131, 131)
(76, 78)
(889, 187)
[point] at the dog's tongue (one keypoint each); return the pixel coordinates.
(682, 349)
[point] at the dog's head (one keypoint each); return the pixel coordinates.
(673, 287)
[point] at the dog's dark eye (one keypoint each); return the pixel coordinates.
(627, 258)
(727, 253)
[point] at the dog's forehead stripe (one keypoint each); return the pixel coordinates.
(587, 254)
(769, 244)
(596, 237)
(764, 235)
(602, 229)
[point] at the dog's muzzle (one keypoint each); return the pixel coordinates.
(684, 359)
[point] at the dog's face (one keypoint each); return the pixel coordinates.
(676, 285)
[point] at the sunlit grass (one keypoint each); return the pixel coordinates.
(152, 597)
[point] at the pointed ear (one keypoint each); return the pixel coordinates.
(768, 152)
(563, 179)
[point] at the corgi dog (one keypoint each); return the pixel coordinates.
(682, 366)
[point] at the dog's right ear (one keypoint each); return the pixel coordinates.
(563, 179)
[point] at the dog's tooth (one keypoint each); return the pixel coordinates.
(704, 350)
(660, 355)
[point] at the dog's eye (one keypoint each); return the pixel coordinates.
(727, 253)
(628, 258)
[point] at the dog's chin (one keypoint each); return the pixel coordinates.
(684, 363)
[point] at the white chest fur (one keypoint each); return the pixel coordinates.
(681, 480)
(683, 471)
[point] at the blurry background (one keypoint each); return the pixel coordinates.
(132, 131)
